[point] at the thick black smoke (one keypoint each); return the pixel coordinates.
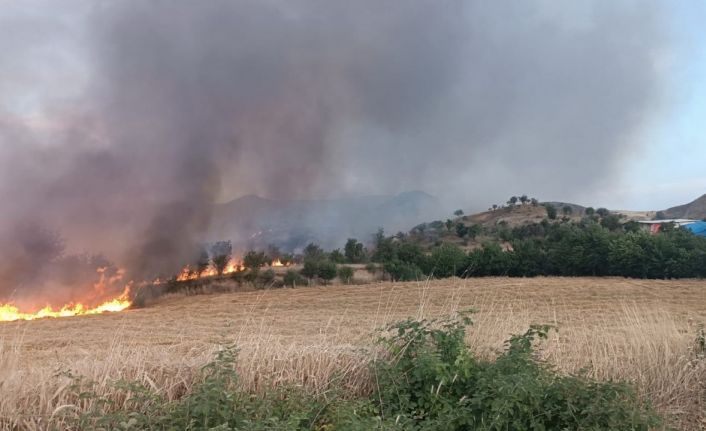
(188, 102)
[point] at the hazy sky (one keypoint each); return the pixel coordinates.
(49, 58)
(670, 169)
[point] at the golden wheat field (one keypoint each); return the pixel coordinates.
(639, 330)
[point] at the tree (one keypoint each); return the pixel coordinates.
(458, 213)
(534, 202)
(461, 230)
(354, 250)
(567, 210)
(611, 222)
(551, 211)
(345, 273)
(590, 211)
(512, 201)
(255, 260)
(273, 252)
(524, 199)
(202, 262)
(313, 252)
(449, 224)
(495, 207)
(447, 260)
(292, 278)
(660, 215)
(337, 257)
(602, 212)
(221, 252)
(327, 270)
(310, 269)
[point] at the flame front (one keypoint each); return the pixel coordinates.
(9, 312)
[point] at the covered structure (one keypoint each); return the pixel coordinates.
(697, 228)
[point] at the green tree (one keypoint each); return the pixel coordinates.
(602, 212)
(447, 260)
(337, 257)
(345, 273)
(221, 252)
(449, 224)
(202, 262)
(292, 278)
(461, 230)
(590, 211)
(512, 201)
(327, 270)
(458, 213)
(524, 199)
(567, 210)
(313, 252)
(354, 251)
(551, 211)
(310, 269)
(255, 260)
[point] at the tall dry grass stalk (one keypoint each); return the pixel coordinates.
(321, 338)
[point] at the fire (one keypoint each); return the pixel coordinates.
(9, 312)
(189, 273)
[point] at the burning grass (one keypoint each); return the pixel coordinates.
(642, 331)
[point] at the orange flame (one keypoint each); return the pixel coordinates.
(188, 273)
(9, 312)
(278, 263)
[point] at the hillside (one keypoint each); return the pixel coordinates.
(693, 210)
(255, 222)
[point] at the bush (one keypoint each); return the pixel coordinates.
(403, 271)
(220, 255)
(292, 278)
(433, 381)
(428, 379)
(268, 276)
(254, 260)
(345, 273)
(327, 270)
(447, 260)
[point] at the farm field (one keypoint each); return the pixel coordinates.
(644, 331)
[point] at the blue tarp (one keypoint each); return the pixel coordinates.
(697, 228)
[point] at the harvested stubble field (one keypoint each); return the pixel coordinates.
(640, 330)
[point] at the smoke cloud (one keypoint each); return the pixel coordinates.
(178, 105)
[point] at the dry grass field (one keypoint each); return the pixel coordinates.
(643, 331)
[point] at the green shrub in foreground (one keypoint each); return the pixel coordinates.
(427, 380)
(434, 382)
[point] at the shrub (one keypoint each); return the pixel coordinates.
(292, 278)
(354, 251)
(447, 260)
(253, 259)
(345, 273)
(403, 271)
(327, 270)
(426, 379)
(220, 255)
(268, 276)
(433, 381)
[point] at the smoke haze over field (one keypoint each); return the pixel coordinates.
(124, 121)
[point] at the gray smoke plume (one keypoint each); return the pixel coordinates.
(187, 103)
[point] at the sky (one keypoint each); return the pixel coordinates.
(669, 171)
(663, 168)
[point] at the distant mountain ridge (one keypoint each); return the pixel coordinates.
(695, 209)
(255, 222)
